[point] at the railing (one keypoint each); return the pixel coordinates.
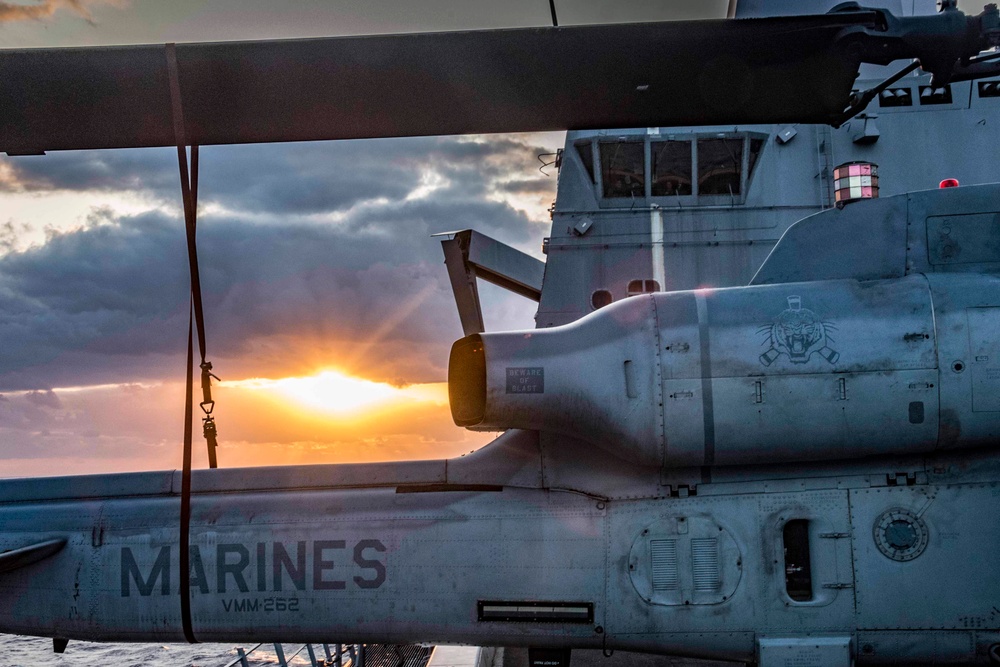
(354, 655)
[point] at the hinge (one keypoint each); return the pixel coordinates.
(683, 490)
(901, 479)
(97, 533)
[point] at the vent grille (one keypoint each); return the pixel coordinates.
(705, 564)
(664, 556)
(685, 560)
(533, 610)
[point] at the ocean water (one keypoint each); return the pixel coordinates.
(16, 651)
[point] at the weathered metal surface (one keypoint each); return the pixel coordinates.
(887, 593)
(403, 85)
(686, 243)
(463, 287)
(470, 255)
(811, 650)
(699, 409)
(24, 556)
(137, 485)
(711, 377)
(290, 564)
(932, 231)
(502, 265)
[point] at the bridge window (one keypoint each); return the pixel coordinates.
(643, 287)
(719, 166)
(671, 166)
(623, 171)
(685, 170)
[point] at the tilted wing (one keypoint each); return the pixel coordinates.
(797, 69)
(17, 558)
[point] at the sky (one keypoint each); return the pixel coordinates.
(329, 314)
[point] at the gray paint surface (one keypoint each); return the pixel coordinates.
(658, 492)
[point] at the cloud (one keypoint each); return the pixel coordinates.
(290, 179)
(44, 9)
(279, 299)
(9, 235)
(298, 273)
(528, 186)
(47, 399)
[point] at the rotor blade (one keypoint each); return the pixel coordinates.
(790, 69)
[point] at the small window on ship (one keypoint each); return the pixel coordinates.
(623, 173)
(671, 167)
(643, 287)
(720, 163)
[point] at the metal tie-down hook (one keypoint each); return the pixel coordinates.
(208, 405)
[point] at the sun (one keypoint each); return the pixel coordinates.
(331, 391)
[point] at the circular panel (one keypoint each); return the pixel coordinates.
(688, 560)
(900, 534)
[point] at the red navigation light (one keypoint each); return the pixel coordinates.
(949, 183)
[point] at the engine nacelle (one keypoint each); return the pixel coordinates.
(771, 373)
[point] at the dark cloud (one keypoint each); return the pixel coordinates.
(528, 186)
(304, 178)
(46, 399)
(355, 282)
(9, 235)
(90, 431)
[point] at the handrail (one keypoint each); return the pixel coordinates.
(241, 658)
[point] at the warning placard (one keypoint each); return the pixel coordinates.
(525, 380)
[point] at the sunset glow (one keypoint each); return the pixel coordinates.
(329, 313)
(331, 391)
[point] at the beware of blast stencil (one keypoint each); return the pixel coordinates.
(525, 380)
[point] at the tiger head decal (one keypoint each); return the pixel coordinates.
(798, 333)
